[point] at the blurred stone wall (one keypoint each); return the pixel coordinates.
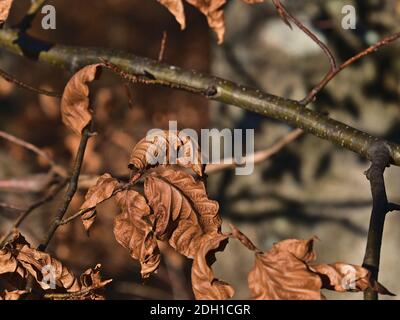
(311, 187)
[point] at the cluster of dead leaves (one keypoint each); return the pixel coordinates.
(175, 208)
(212, 9)
(5, 6)
(20, 264)
(286, 272)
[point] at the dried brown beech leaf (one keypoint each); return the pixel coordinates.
(282, 274)
(205, 286)
(344, 277)
(92, 287)
(166, 147)
(212, 9)
(182, 212)
(9, 264)
(17, 258)
(176, 8)
(5, 6)
(101, 191)
(134, 233)
(285, 273)
(75, 110)
(40, 264)
(12, 295)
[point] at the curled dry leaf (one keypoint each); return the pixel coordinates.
(134, 233)
(344, 277)
(39, 264)
(12, 295)
(205, 286)
(166, 147)
(212, 9)
(282, 273)
(176, 8)
(285, 273)
(182, 212)
(101, 191)
(5, 6)
(75, 108)
(92, 287)
(17, 258)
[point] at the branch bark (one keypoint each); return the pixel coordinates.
(289, 111)
(72, 187)
(380, 159)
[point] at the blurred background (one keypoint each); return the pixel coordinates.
(310, 188)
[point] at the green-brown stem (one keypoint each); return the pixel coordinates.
(289, 111)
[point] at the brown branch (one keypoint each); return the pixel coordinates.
(330, 75)
(287, 16)
(11, 207)
(24, 85)
(23, 215)
(72, 295)
(163, 46)
(84, 210)
(30, 184)
(28, 146)
(259, 156)
(72, 187)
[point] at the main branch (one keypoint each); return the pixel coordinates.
(289, 111)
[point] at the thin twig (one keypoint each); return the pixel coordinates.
(163, 46)
(23, 215)
(28, 146)
(11, 207)
(318, 88)
(144, 79)
(84, 210)
(259, 156)
(71, 295)
(72, 187)
(30, 184)
(24, 85)
(286, 16)
(128, 92)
